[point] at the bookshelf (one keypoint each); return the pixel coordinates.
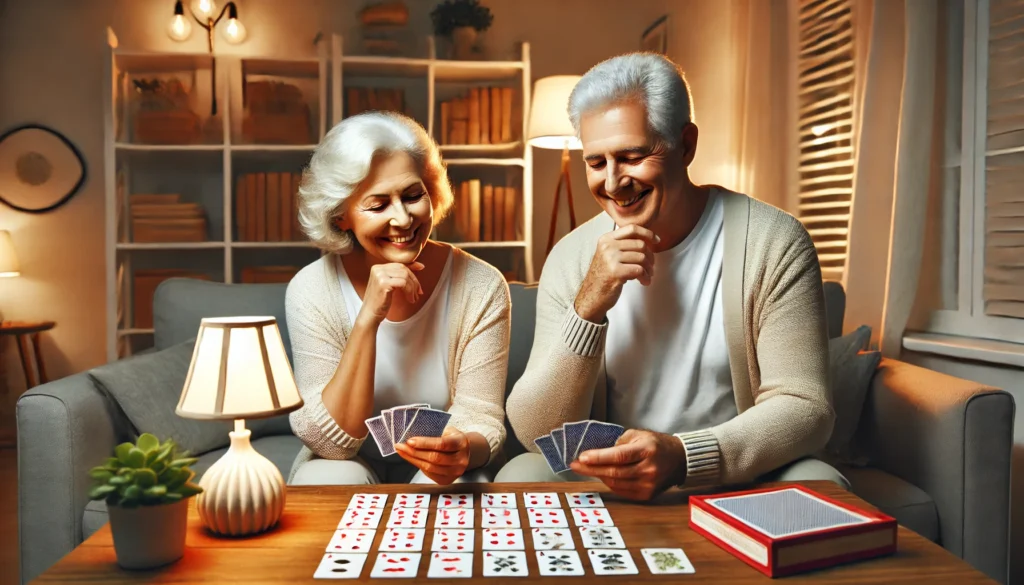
(174, 170)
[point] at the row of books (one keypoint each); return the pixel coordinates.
(364, 99)
(483, 116)
(482, 213)
(165, 218)
(266, 207)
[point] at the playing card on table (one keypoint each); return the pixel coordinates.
(592, 517)
(502, 539)
(402, 539)
(499, 518)
(612, 562)
(351, 541)
(599, 435)
(552, 539)
(541, 500)
(505, 564)
(546, 517)
(364, 501)
(356, 519)
(584, 500)
(559, 563)
(408, 518)
(450, 565)
(452, 540)
(666, 561)
(573, 433)
(425, 422)
(393, 565)
(455, 501)
(340, 566)
(412, 501)
(601, 537)
(498, 500)
(454, 518)
(381, 435)
(547, 448)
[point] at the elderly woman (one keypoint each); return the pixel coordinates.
(388, 317)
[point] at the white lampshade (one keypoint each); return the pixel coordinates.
(549, 125)
(239, 370)
(8, 259)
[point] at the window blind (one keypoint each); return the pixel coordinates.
(825, 77)
(1003, 280)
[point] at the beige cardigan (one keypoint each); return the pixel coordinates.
(774, 313)
(479, 315)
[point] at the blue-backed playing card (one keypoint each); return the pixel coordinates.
(380, 435)
(573, 432)
(403, 417)
(598, 436)
(425, 422)
(559, 441)
(547, 448)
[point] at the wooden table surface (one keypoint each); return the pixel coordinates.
(292, 551)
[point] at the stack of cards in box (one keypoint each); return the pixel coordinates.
(564, 445)
(396, 425)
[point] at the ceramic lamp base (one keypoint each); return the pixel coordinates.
(243, 492)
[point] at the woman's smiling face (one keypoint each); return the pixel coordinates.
(390, 215)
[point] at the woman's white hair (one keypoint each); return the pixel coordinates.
(342, 161)
(651, 79)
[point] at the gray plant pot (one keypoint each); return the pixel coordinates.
(149, 536)
(463, 42)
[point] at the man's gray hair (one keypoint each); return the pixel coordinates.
(343, 160)
(651, 79)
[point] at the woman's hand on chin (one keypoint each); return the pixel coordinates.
(385, 280)
(443, 459)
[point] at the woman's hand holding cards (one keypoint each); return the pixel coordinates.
(443, 459)
(641, 465)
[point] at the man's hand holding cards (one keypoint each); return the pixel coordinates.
(563, 445)
(639, 466)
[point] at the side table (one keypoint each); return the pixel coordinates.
(31, 358)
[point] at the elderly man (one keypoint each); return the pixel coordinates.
(690, 315)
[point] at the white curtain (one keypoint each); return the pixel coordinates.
(896, 48)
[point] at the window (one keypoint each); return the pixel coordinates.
(983, 269)
(825, 70)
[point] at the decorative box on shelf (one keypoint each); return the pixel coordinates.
(162, 114)
(275, 114)
(165, 218)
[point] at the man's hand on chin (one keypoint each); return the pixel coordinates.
(641, 465)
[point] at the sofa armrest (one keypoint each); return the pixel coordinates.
(65, 428)
(952, 438)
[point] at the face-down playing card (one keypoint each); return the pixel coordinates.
(547, 448)
(424, 422)
(381, 435)
(599, 435)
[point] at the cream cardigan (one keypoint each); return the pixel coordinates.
(319, 326)
(774, 313)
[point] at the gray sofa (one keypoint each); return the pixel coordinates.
(939, 447)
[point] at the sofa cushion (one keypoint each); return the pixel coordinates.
(281, 450)
(850, 373)
(147, 388)
(907, 503)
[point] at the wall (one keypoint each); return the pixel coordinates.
(57, 79)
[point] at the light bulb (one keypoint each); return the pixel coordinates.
(180, 28)
(234, 31)
(204, 9)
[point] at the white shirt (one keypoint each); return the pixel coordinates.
(666, 355)
(412, 355)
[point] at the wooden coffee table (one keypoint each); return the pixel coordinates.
(291, 552)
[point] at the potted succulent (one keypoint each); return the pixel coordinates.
(146, 486)
(461, 21)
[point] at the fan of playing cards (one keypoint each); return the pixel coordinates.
(396, 425)
(563, 446)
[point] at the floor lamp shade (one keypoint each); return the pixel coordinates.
(8, 259)
(549, 125)
(239, 370)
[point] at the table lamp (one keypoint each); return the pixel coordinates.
(239, 370)
(550, 127)
(8, 259)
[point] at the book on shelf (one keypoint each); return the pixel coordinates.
(482, 213)
(483, 115)
(164, 218)
(791, 529)
(365, 99)
(144, 283)
(266, 207)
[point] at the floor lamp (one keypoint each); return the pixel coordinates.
(549, 127)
